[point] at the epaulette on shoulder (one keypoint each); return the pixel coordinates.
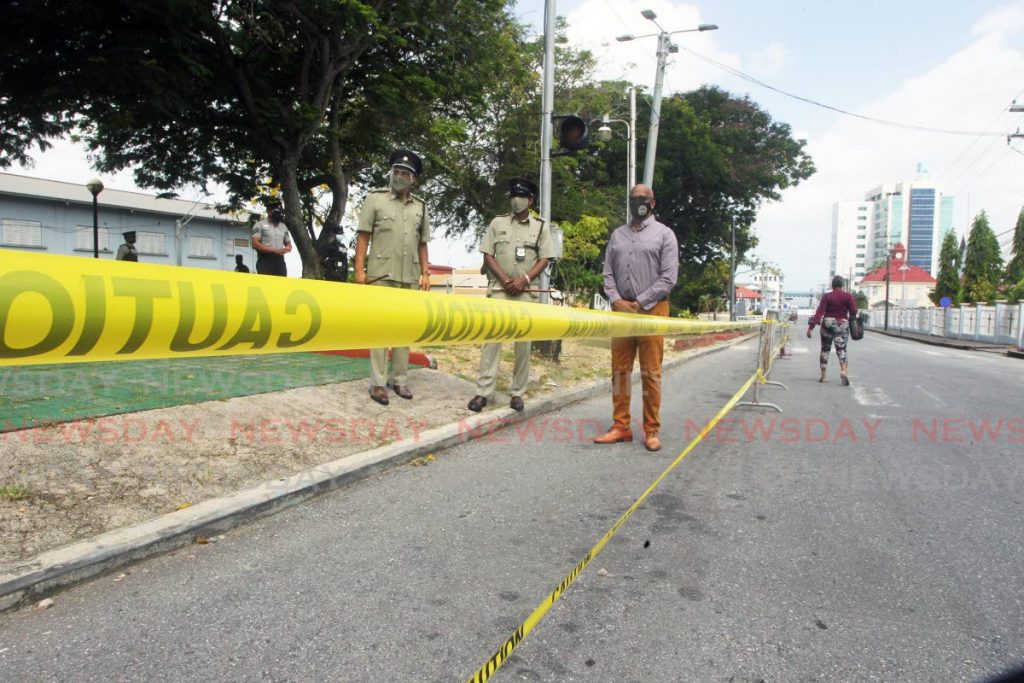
(418, 198)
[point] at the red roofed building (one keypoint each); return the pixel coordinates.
(747, 293)
(909, 286)
(747, 300)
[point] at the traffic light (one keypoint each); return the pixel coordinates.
(573, 134)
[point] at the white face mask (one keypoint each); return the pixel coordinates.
(520, 204)
(400, 183)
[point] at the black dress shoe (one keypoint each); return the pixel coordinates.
(379, 394)
(516, 404)
(477, 403)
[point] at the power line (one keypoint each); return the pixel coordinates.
(981, 156)
(807, 100)
(987, 169)
(975, 141)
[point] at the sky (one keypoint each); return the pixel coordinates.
(948, 65)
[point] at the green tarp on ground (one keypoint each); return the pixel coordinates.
(36, 395)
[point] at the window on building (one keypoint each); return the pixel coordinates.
(15, 232)
(83, 238)
(200, 247)
(153, 243)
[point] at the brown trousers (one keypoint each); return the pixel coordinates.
(651, 350)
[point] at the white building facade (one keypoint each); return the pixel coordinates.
(768, 283)
(850, 229)
(915, 213)
(56, 218)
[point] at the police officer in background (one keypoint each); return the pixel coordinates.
(334, 258)
(127, 252)
(271, 241)
(516, 249)
(391, 251)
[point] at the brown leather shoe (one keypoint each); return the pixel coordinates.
(516, 404)
(477, 403)
(652, 442)
(379, 394)
(401, 390)
(615, 435)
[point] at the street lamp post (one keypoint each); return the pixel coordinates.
(903, 295)
(888, 261)
(604, 134)
(732, 273)
(546, 132)
(95, 186)
(665, 46)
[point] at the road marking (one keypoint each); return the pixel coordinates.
(936, 353)
(871, 396)
(928, 394)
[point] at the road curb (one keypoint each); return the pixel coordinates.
(70, 564)
(942, 341)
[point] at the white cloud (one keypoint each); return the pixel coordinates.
(770, 60)
(1007, 20)
(967, 91)
(595, 24)
(68, 162)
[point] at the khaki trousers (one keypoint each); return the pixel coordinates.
(399, 356)
(651, 350)
(490, 360)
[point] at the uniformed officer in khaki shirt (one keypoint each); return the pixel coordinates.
(127, 251)
(516, 249)
(395, 228)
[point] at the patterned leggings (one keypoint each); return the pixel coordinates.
(833, 330)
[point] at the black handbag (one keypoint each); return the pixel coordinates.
(856, 328)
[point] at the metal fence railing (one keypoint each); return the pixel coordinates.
(771, 345)
(998, 324)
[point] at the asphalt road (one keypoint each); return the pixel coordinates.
(886, 547)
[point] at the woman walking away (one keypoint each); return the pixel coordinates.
(836, 310)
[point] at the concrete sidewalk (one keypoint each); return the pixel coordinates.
(233, 458)
(963, 344)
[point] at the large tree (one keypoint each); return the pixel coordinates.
(1015, 267)
(719, 158)
(948, 280)
(300, 93)
(504, 141)
(983, 264)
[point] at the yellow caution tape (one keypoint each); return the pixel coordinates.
(503, 653)
(66, 309)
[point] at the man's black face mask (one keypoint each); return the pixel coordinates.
(640, 207)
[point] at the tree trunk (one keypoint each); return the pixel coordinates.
(294, 219)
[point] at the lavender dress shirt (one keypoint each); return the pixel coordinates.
(641, 265)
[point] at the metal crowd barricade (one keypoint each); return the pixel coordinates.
(771, 343)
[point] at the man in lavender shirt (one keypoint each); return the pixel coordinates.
(641, 265)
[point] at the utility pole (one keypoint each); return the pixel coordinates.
(632, 144)
(652, 134)
(732, 273)
(547, 111)
(665, 47)
(888, 260)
